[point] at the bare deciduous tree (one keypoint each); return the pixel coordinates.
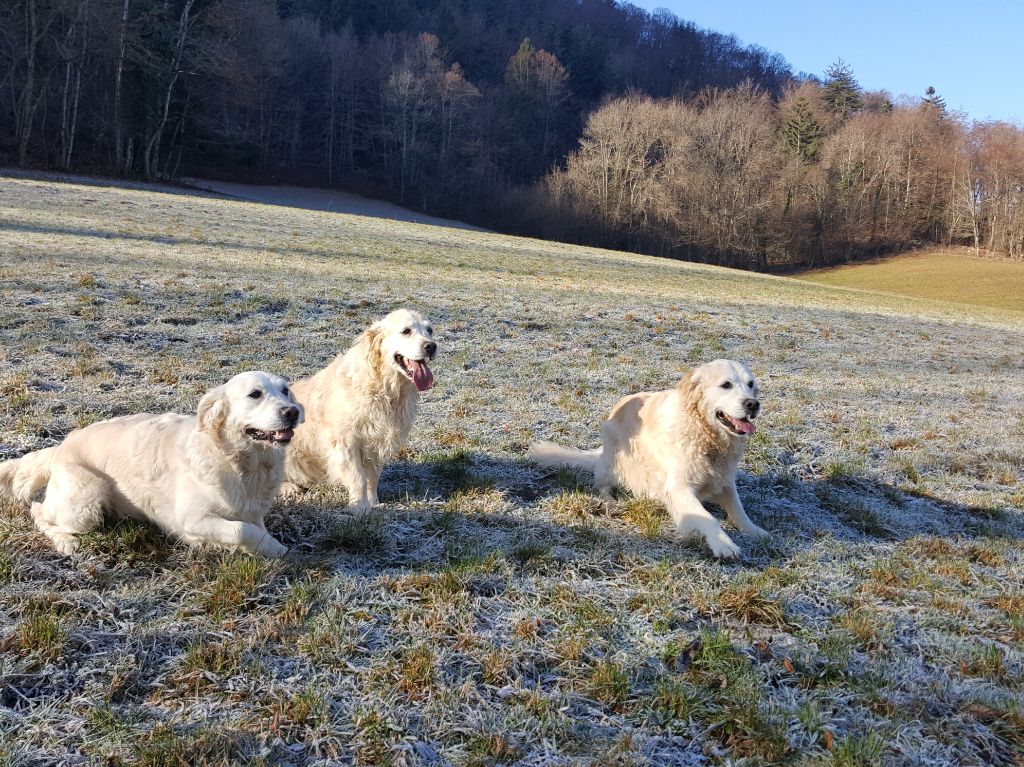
(615, 126)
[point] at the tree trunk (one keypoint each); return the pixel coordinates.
(72, 84)
(329, 149)
(120, 163)
(65, 105)
(176, 137)
(151, 159)
(27, 105)
(72, 128)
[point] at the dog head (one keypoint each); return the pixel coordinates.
(405, 340)
(726, 395)
(253, 407)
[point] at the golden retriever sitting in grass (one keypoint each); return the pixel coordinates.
(204, 479)
(360, 408)
(680, 446)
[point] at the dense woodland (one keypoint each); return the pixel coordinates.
(585, 120)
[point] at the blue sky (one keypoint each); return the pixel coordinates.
(971, 51)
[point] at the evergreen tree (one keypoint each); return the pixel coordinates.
(842, 91)
(932, 100)
(801, 130)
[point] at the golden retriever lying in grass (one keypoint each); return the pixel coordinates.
(204, 479)
(360, 408)
(680, 446)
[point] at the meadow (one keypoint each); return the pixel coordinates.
(953, 275)
(488, 612)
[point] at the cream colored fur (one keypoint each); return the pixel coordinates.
(671, 445)
(359, 410)
(202, 479)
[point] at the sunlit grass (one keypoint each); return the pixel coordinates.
(940, 274)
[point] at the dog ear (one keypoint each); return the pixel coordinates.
(213, 410)
(299, 405)
(690, 386)
(370, 343)
(375, 336)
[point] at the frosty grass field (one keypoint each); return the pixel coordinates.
(488, 612)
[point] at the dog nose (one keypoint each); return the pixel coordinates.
(430, 347)
(751, 406)
(290, 414)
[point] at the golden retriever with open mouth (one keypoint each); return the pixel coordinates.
(360, 408)
(680, 446)
(207, 478)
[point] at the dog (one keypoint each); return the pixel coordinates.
(207, 478)
(680, 446)
(360, 408)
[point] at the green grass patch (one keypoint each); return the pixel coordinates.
(169, 746)
(750, 603)
(646, 514)
(237, 582)
(40, 636)
(129, 541)
(938, 274)
(361, 534)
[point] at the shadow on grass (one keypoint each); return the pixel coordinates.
(472, 505)
(480, 523)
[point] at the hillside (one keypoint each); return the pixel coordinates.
(490, 613)
(944, 274)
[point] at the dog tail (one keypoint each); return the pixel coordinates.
(550, 454)
(21, 478)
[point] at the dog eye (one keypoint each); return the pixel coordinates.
(430, 331)
(750, 384)
(285, 391)
(407, 332)
(727, 385)
(255, 394)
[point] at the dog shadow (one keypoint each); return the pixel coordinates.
(467, 506)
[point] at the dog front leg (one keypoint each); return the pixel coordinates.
(730, 502)
(373, 472)
(232, 534)
(346, 469)
(690, 517)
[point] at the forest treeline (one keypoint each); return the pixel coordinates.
(825, 174)
(586, 120)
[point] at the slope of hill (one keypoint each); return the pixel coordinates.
(490, 613)
(328, 200)
(944, 274)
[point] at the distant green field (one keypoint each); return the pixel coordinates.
(944, 275)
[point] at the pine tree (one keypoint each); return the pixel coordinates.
(801, 130)
(932, 100)
(842, 91)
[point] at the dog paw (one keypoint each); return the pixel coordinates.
(271, 547)
(722, 546)
(289, 491)
(757, 532)
(65, 544)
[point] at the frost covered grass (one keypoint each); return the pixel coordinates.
(490, 613)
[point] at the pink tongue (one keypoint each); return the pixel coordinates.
(284, 434)
(743, 427)
(421, 375)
